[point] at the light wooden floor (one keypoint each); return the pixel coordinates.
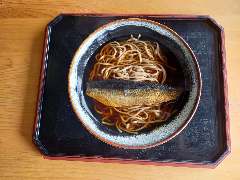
(21, 40)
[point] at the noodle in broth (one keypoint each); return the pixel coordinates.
(134, 60)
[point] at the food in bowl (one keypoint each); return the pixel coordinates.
(128, 81)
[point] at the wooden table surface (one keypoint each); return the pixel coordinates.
(22, 26)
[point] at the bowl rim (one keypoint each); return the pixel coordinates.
(195, 104)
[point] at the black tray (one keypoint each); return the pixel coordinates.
(59, 134)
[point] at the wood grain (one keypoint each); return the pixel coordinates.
(21, 40)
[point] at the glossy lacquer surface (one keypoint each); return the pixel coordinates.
(59, 133)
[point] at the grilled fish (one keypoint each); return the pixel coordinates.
(121, 93)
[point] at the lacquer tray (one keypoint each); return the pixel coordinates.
(59, 134)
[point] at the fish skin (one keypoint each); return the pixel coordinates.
(121, 93)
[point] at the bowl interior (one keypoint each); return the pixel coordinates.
(177, 54)
(175, 78)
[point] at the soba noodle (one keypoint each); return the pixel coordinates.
(134, 60)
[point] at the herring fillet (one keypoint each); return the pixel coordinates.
(121, 93)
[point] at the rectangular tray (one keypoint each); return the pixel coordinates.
(59, 134)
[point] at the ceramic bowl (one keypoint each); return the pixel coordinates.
(175, 48)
